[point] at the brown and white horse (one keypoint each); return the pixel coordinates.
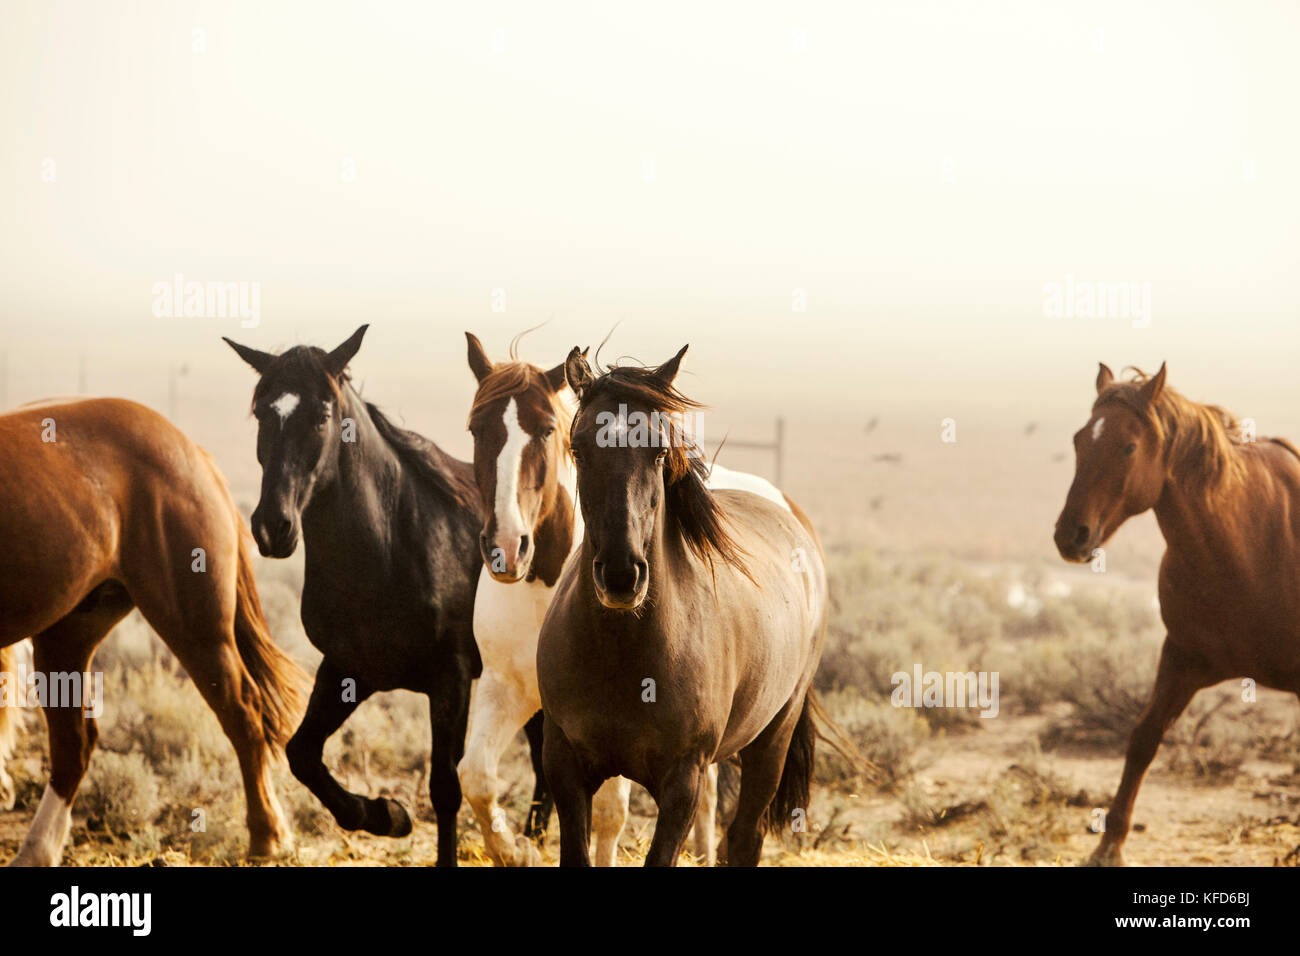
(1230, 579)
(106, 506)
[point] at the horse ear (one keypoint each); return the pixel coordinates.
(338, 360)
(1104, 377)
(577, 372)
(668, 371)
(555, 377)
(1153, 386)
(478, 360)
(259, 360)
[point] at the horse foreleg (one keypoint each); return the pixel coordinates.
(448, 715)
(332, 702)
(1178, 678)
(572, 792)
(498, 711)
(608, 815)
(65, 648)
(678, 796)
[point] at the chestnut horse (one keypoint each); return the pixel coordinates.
(106, 506)
(520, 424)
(1229, 585)
(686, 630)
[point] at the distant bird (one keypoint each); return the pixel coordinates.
(871, 425)
(892, 457)
(876, 502)
(1031, 428)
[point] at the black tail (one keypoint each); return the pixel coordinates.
(794, 791)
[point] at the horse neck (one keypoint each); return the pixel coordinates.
(363, 467)
(1198, 526)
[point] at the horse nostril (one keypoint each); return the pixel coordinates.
(523, 545)
(1081, 535)
(598, 573)
(284, 528)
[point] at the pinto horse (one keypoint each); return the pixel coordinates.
(390, 526)
(687, 629)
(1229, 584)
(106, 506)
(520, 422)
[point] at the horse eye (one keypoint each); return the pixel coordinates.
(1130, 448)
(574, 453)
(659, 459)
(549, 432)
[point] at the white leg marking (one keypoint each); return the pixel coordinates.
(43, 845)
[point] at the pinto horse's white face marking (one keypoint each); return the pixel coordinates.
(1096, 429)
(284, 406)
(509, 463)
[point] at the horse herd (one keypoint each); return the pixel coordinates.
(641, 614)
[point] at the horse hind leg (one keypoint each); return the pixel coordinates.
(774, 772)
(1178, 678)
(543, 804)
(704, 833)
(198, 623)
(66, 649)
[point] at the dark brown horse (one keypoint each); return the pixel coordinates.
(687, 629)
(106, 506)
(1230, 579)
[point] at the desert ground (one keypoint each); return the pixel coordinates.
(946, 786)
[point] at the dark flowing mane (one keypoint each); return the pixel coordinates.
(692, 511)
(448, 475)
(1202, 442)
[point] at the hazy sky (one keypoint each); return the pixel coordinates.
(914, 175)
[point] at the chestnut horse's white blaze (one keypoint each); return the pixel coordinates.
(1097, 428)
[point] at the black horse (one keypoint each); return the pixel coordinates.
(390, 523)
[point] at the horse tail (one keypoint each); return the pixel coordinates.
(278, 679)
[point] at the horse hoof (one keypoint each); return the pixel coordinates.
(1105, 856)
(388, 818)
(527, 852)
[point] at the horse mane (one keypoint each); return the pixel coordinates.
(447, 474)
(1202, 442)
(514, 378)
(693, 513)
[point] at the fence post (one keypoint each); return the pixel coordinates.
(780, 449)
